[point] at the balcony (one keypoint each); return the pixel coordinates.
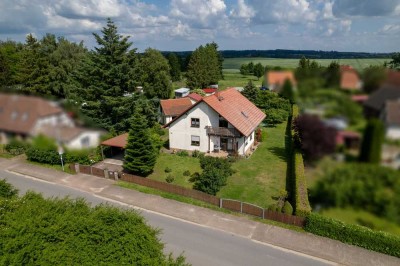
(223, 132)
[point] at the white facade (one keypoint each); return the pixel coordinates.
(183, 136)
(61, 119)
(393, 132)
(86, 139)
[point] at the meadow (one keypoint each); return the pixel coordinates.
(233, 64)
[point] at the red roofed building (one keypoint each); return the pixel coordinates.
(171, 108)
(276, 79)
(349, 78)
(210, 91)
(194, 97)
(223, 121)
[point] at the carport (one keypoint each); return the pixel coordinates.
(117, 145)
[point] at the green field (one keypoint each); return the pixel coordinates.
(233, 64)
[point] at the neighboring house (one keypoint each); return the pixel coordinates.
(375, 104)
(349, 78)
(182, 92)
(171, 108)
(348, 139)
(194, 97)
(223, 121)
(274, 80)
(360, 99)
(391, 118)
(27, 116)
(210, 91)
(338, 123)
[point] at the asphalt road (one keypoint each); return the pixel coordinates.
(200, 245)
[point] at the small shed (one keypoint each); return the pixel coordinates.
(117, 144)
(182, 92)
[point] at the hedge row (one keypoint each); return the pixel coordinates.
(298, 185)
(353, 234)
(52, 156)
(302, 205)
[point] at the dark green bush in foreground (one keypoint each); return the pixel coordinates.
(38, 231)
(353, 234)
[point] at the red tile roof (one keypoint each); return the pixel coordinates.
(194, 96)
(349, 78)
(393, 78)
(174, 107)
(345, 134)
(19, 113)
(210, 90)
(118, 141)
(235, 108)
(359, 98)
(279, 77)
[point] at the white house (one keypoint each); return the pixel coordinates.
(26, 116)
(391, 118)
(224, 121)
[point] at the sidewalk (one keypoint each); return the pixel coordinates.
(305, 243)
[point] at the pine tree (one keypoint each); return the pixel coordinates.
(371, 147)
(250, 91)
(155, 75)
(140, 155)
(175, 67)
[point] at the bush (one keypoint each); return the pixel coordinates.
(371, 147)
(186, 173)
(70, 232)
(7, 190)
(182, 153)
(274, 208)
(194, 177)
(16, 147)
(169, 179)
(197, 154)
(43, 156)
(302, 205)
(287, 208)
(167, 170)
(77, 156)
(353, 234)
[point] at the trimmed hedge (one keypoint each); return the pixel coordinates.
(43, 156)
(296, 183)
(353, 234)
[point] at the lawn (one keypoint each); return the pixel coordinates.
(235, 79)
(363, 218)
(257, 179)
(235, 63)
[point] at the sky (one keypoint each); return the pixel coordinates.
(179, 25)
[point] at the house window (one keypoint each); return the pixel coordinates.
(195, 122)
(222, 122)
(195, 140)
(85, 142)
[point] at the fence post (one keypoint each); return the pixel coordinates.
(220, 202)
(91, 170)
(263, 213)
(77, 168)
(106, 174)
(241, 207)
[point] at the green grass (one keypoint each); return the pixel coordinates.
(263, 175)
(235, 79)
(363, 218)
(178, 165)
(4, 153)
(54, 167)
(232, 64)
(199, 203)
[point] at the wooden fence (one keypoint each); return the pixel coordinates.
(229, 204)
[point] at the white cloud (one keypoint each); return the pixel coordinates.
(242, 11)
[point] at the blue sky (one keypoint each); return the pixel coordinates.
(342, 25)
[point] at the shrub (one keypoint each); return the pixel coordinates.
(182, 153)
(287, 208)
(194, 177)
(197, 154)
(353, 234)
(274, 208)
(371, 147)
(302, 205)
(186, 173)
(43, 156)
(16, 147)
(77, 156)
(169, 179)
(167, 170)
(7, 190)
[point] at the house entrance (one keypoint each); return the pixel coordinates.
(226, 144)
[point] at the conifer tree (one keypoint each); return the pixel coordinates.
(175, 66)
(371, 147)
(288, 91)
(250, 91)
(140, 155)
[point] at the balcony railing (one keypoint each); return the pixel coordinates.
(223, 132)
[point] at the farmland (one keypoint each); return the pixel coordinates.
(233, 64)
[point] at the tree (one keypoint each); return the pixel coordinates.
(140, 155)
(204, 67)
(371, 147)
(175, 66)
(288, 91)
(313, 137)
(258, 70)
(373, 77)
(214, 175)
(250, 91)
(395, 63)
(214, 45)
(332, 74)
(244, 69)
(63, 231)
(155, 75)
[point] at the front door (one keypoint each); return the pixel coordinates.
(224, 144)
